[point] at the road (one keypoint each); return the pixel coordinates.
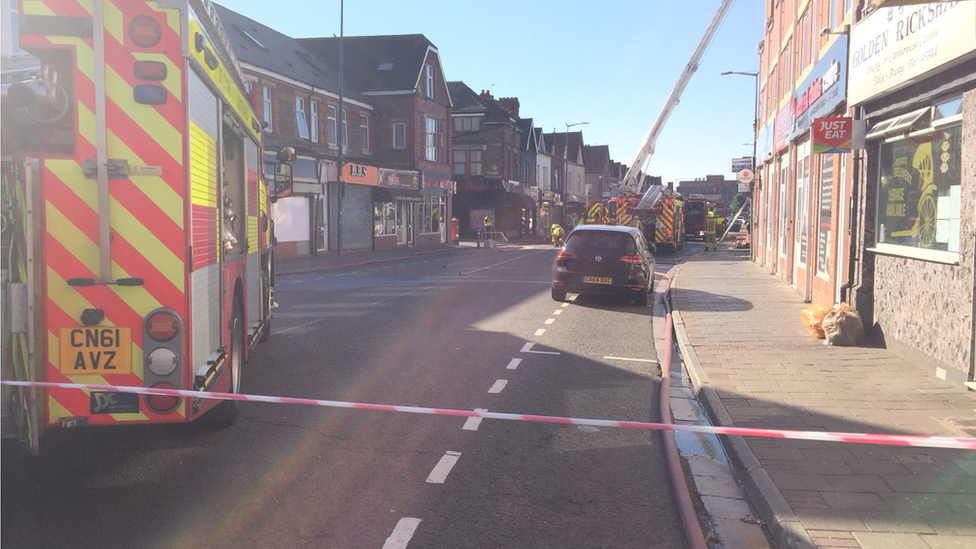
(416, 333)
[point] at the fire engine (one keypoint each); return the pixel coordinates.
(669, 227)
(137, 218)
(696, 209)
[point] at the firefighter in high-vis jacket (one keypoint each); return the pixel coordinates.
(710, 231)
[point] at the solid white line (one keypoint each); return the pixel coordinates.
(513, 364)
(443, 467)
(540, 331)
(402, 533)
(472, 423)
(527, 348)
(502, 263)
(550, 320)
(557, 312)
(629, 359)
(498, 386)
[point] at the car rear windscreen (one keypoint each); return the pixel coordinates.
(606, 242)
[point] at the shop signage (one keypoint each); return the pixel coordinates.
(821, 92)
(832, 134)
(481, 185)
(401, 179)
(764, 143)
(741, 163)
(438, 180)
(781, 129)
(898, 46)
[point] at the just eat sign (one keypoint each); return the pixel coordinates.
(832, 134)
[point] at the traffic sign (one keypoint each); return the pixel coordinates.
(741, 163)
(745, 176)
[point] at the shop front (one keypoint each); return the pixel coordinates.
(396, 204)
(477, 198)
(784, 192)
(575, 210)
(550, 211)
(915, 265)
(356, 227)
(520, 208)
(820, 94)
(294, 219)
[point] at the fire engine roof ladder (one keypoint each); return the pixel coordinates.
(101, 145)
(631, 184)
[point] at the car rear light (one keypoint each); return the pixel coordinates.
(162, 326)
(149, 70)
(632, 259)
(564, 255)
(162, 362)
(144, 31)
(162, 404)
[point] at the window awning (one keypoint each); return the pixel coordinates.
(526, 201)
(392, 194)
(914, 120)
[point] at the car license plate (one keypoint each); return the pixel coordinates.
(597, 280)
(96, 350)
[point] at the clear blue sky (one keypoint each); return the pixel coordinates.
(611, 63)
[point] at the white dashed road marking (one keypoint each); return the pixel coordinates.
(564, 305)
(498, 386)
(472, 423)
(550, 320)
(443, 468)
(514, 364)
(557, 312)
(402, 533)
(540, 331)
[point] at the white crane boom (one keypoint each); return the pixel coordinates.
(631, 184)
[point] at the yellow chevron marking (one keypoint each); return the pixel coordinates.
(84, 56)
(203, 167)
(166, 136)
(69, 172)
(157, 190)
(130, 228)
(86, 251)
(113, 22)
(35, 7)
(55, 410)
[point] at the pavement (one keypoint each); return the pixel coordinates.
(753, 365)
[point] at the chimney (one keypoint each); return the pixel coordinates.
(485, 94)
(510, 103)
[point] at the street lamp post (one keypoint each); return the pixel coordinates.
(753, 209)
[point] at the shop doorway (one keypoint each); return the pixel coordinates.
(801, 219)
(404, 213)
(784, 210)
(321, 227)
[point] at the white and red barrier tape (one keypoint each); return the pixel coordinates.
(961, 443)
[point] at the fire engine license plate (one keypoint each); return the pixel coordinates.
(96, 350)
(597, 280)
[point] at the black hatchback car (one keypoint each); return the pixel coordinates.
(604, 259)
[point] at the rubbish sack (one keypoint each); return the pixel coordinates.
(842, 326)
(812, 317)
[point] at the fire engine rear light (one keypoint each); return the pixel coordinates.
(162, 404)
(149, 70)
(149, 94)
(632, 259)
(162, 362)
(162, 326)
(144, 31)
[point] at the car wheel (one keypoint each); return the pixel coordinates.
(558, 295)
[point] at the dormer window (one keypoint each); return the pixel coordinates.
(385, 65)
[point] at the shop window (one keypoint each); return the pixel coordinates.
(384, 219)
(919, 188)
(430, 214)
